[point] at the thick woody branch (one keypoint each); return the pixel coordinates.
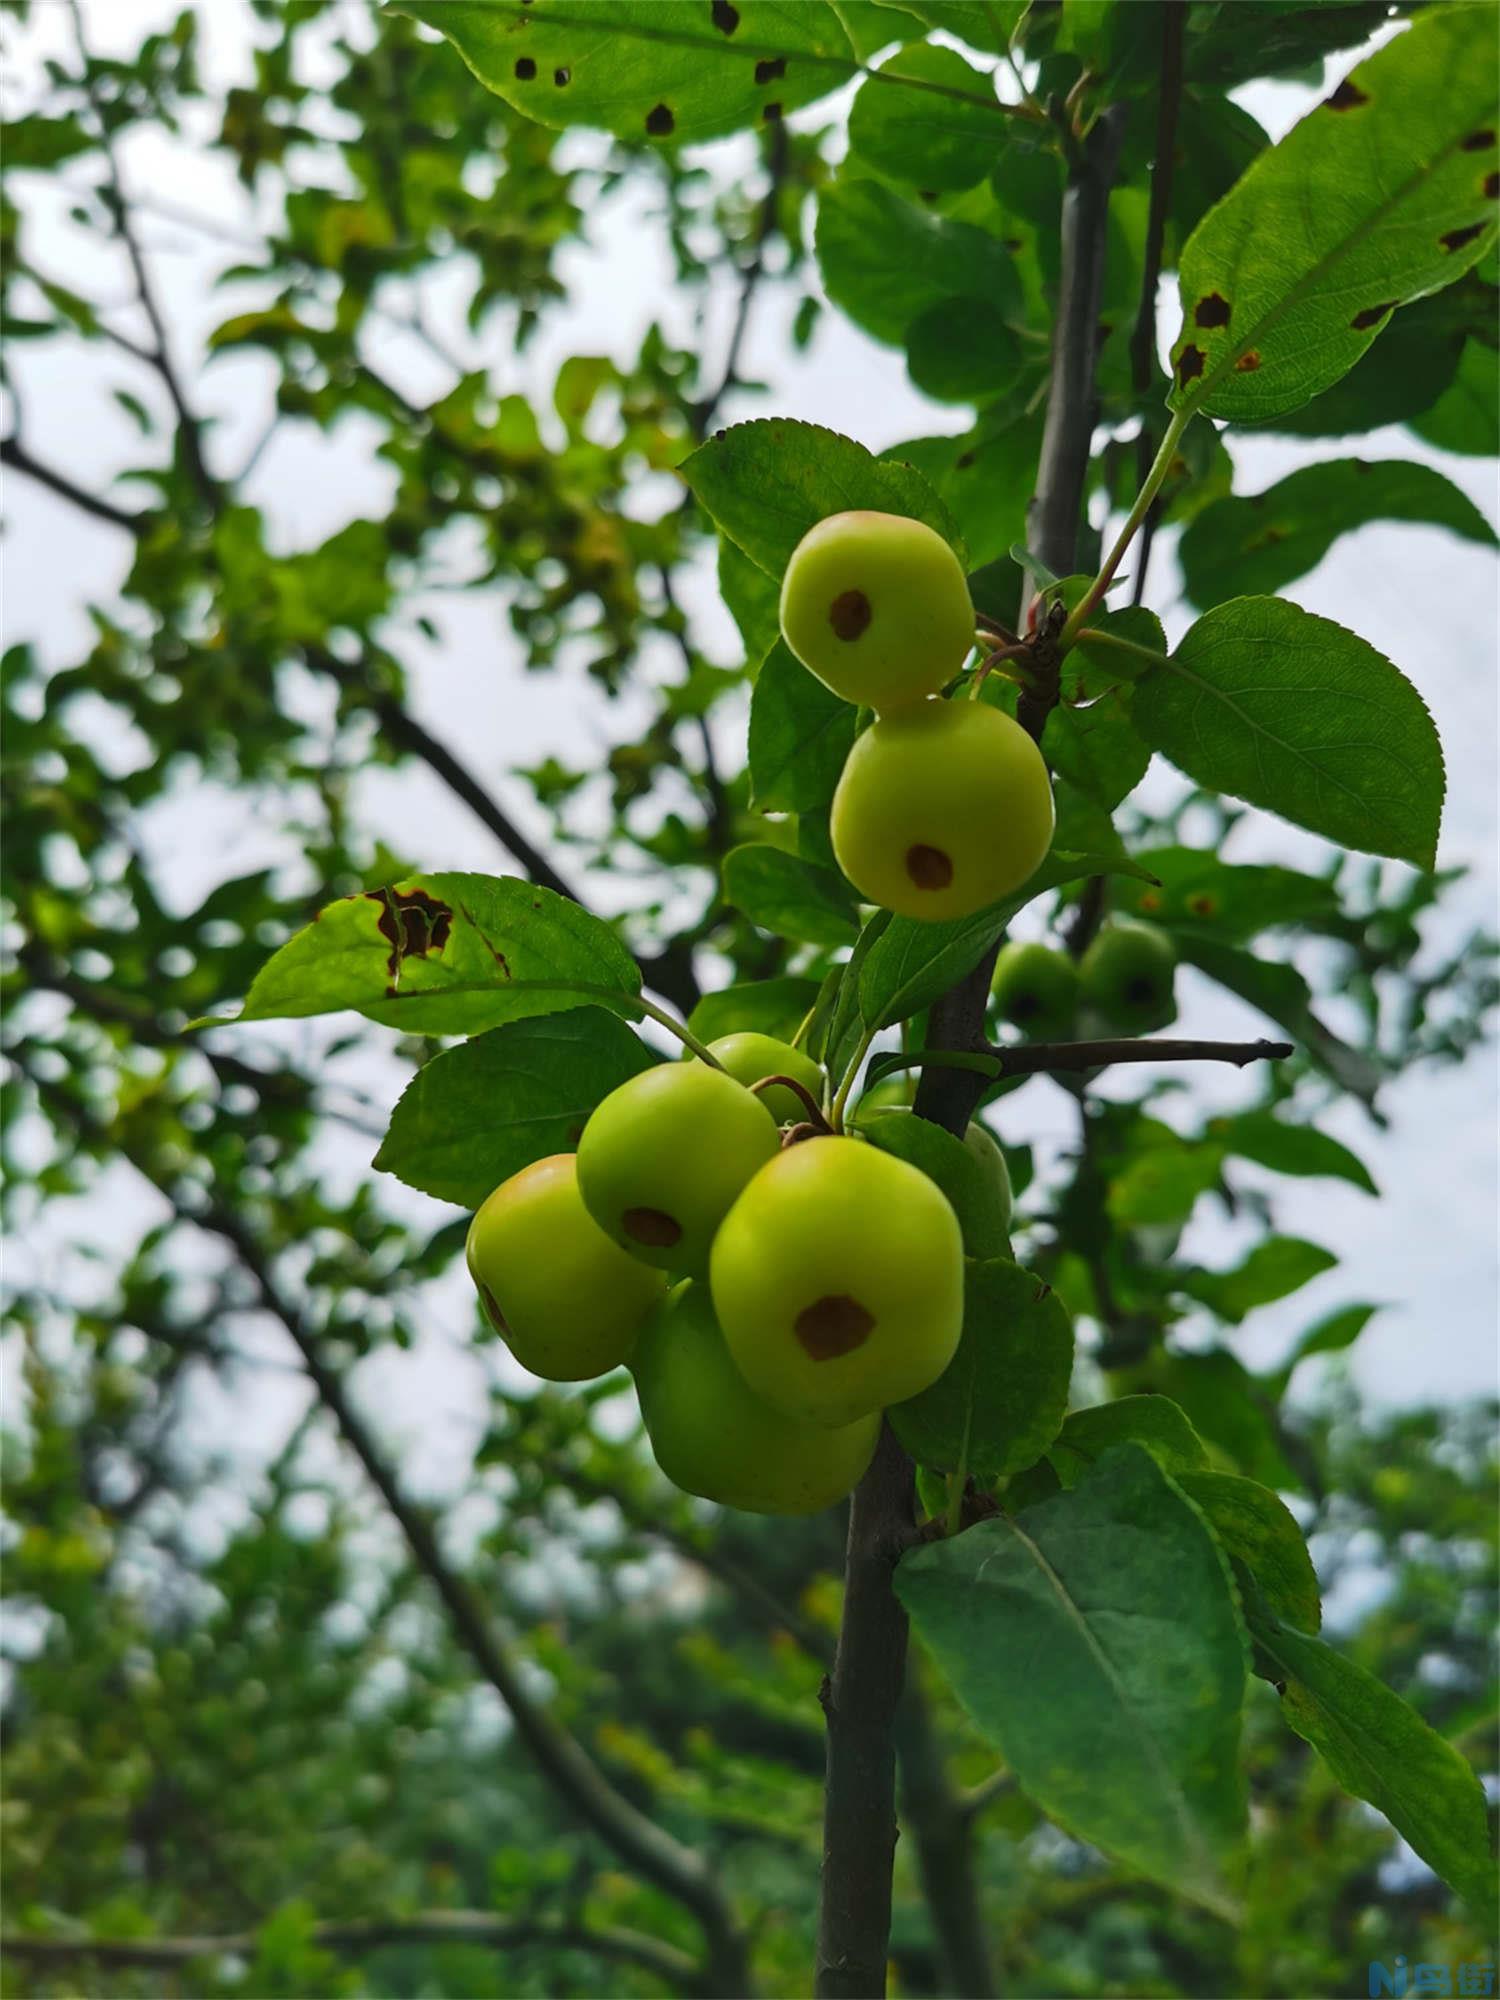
(1069, 1058)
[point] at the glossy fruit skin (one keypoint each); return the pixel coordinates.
(664, 1156)
(838, 1280)
(748, 1057)
(713, 1436)
(942, 809)
(1036, 990)
(566, 1301)
(985, 1147)
(877, 607)
(1128, 974)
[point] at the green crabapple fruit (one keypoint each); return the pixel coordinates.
(941, 809)
(1036, 990)
(877, 607)
(838, 1280)
(1127, 975)
(749, 1057)
(665, 1154)
(566, 1301)
(713, 1436)
(985, 1147)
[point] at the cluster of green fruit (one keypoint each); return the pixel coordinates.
(1124, 981)
(818, 1282)
(943, 806)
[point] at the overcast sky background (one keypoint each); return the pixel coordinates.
(1424, 598)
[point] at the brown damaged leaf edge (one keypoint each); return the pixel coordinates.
(1373, 315)
(1348, 97)
(1190, 364)
(412, 923)
(724, 17)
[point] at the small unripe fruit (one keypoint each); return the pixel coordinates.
(1036, 990)
(942, 809)
(663, 1157)
(985, 1147)
(566, 1301)
(877, 607)
(1128, 973)
(713, 1436)
(748, 1057)
(838, 1280)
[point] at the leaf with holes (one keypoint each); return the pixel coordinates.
(886, 260)
(1251, 543)
(800, 734)
(657, 69)
(1296, 714)
(1095, 1639)
(476, 1114)
(766, 483)
(444, 955)
(1383, 192)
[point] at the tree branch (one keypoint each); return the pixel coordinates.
(14, 453)
(1064, 1058)
(941, 1822)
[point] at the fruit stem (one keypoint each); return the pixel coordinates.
(1160, 466)
(802, 1027)
(836, 1109)
(673, 1026)
(799, 1090)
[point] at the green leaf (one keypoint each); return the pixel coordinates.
(983, 24)
(790, 897)
(762, 1006)
(800, 734)
(1259, 1530)
(1294, 713)
(476, 1114)
(926, 139)
(872, 25)
(962, 351)
(1097, 749)
(1253, 543)
(652, 70)
(1162, 1183)
(766, 483)
(1228, 1408)
(1376, 196)
(1273, 1269)
(1095, 1640)
(998, 1404)
(1155, 1422)
(985, 475)
(752, 598)
(885, 260)
(1466, 417)
(1197, 893)
(977, 1200)
(845, 1027)
(1381, 1750)
(1291, 1149)
(1329, 1335)
(443, 955)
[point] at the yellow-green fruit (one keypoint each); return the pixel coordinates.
(985, 1147)
(1128, 974)
(749, 1057)
(663, 1157)
(877, 607)
(566, 1301)
(941, 809)
(713, 1436)
(1036, 990)
(838, 1280)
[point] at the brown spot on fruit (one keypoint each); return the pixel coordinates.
(770, 70)
(1373, 315)
(770, 114)
(833, 1325)
(725, 18)
(1457, 238)
(1211, 310)
(525, 68)
(651, 1226)
(659, 120)
(929, 867)
(492, 1310)
(849, 614)
(1140, 992)
(1478, 142)
(1248, 362)
(412, 923)
(1190, 364)
(1348, 97)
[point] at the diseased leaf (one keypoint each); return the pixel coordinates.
(476, 1114)
(1197, 893)
(985, 476)
(885, 260)
(1257, 542)
(443, 955)
(790, 897)
(653, 70)
(800, 734)
(929, 139)
(1095, 1639)
(1294, 713)
(1258, 1530)
(766, 483)
(1376, 196)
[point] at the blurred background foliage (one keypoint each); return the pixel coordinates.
(248, 1742)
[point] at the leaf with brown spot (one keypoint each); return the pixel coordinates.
(1212, 311)
(1377, 201)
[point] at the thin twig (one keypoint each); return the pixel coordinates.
(1143, 336)
(14, 453)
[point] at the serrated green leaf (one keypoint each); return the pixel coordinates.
(977, 1198)
(1300, 716)
(1097, 749)
(790, 897)
(1095, 1639)
(443, 954)
(985, 477)
(476, 1114)
(885, 260)
(1154, 1422)
(1376, 196)
(766, 483)
(652, 70)
(927, 141)
(1258, 1530)
(800, 734)
(1257, 542)
(1272, 1270)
